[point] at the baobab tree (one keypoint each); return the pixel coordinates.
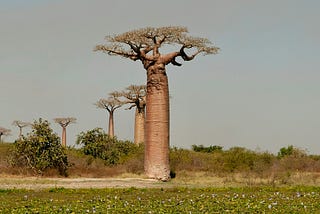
(144, 45)
(20, 125)
(64, 122)
(110, 104)
(4, 132)
(136, 96)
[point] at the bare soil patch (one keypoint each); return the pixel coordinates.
(76, 183)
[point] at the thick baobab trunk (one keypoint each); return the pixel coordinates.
(64, 136)
(139, 126)
(111, 125)
(157, 124)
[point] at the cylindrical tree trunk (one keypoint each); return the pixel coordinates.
(139, 126)
(111, 125)
(64, 136)
(157, 124)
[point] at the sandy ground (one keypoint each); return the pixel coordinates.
(193, 180)
(76, 183)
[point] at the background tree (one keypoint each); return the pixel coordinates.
(110, 104)
(64, 122)
(136, 95)
(20, 125)
(144, 45)
(4, 132)
(40, 150)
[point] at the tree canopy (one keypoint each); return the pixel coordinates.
(144, 44)
(65, 121)
(111, 103)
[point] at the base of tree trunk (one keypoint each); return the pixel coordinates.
(158, 173)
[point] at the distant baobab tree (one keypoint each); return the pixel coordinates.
(64, 122)
(136, 95)
(20, 125)
(144, 45)
(110, 104)
(4, 132)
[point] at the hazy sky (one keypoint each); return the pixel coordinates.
(260, 92)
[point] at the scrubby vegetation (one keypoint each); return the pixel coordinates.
(172, 200)
(40, 150)
(100, 145)
(231, 164)
(99, 155)
(246, 163)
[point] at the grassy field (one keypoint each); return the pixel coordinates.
(162, 200)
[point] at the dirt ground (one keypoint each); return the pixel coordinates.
(189, 180)
(77, 183)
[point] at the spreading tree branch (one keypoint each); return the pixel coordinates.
(137, 44)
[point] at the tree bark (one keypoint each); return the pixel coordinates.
(139, 124)
(157, 124)
(111, 125)
(64, 136)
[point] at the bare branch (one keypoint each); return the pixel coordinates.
(116, 50)
(174, 62)
(20, 124)
(129, 108)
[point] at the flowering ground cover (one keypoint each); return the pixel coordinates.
(299, 199)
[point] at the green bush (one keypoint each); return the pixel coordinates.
(239, 159)
(100, 145)
(209, 149)
(40, 150)
(187, 160)
(285, 151)
(236, 159)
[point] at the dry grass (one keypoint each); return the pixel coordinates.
(197, 172)
(206, 179)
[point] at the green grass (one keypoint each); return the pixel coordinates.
(167, 200)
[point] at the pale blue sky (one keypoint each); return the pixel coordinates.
(260, 92)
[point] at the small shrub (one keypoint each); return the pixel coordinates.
(100, 145)
(40, 150)
(209, 149)
(291, 151)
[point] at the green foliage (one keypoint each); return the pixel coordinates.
(210, 149)
(291, 151)
(285, 151)
(236, 159)
(40, 150)
(100, 145)
(164, 200)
